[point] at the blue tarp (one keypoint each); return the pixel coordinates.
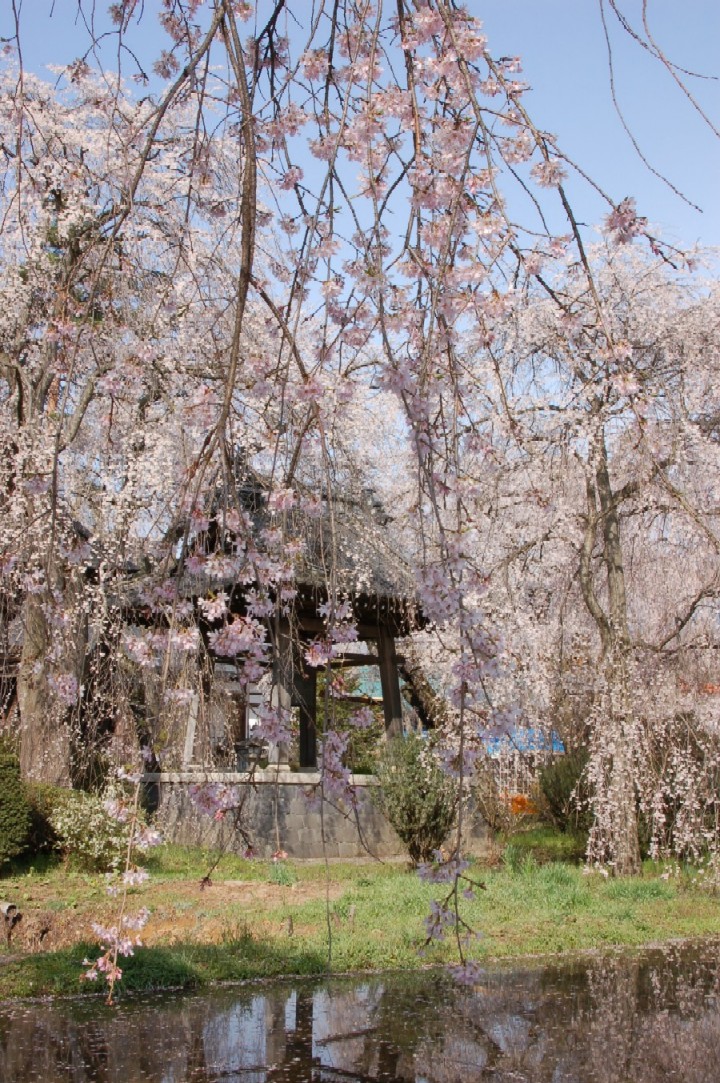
(524, 740)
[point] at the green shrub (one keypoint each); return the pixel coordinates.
(9, 744)
(565, 794)
(14, 810)
(87, 833)
(415, 795)
(362, 749)
(43, 798)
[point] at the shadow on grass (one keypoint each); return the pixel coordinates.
(183, 966)
(547, 844)
(37, 864)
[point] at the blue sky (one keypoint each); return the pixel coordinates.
(565, 60)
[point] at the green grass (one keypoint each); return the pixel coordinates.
(171, 862)
(375, 922)
(547, 844)
(61, 972)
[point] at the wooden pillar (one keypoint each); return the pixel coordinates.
(390, 683)
(190, 731)
(305, 698)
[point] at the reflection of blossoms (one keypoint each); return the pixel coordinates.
(468, 973)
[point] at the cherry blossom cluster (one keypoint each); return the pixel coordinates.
(215, 799)
(115, 941)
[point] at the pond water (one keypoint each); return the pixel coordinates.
(643, 1018)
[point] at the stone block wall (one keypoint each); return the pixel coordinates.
(282, 810)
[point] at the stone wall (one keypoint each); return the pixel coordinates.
(279, 813)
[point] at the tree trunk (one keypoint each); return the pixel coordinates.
(44, 736)
(619, 730)
(620, 739)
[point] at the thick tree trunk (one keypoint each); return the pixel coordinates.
(44, 736)
(620, 740)
(619, 731)
(622, 776)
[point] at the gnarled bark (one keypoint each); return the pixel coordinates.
(44, 737)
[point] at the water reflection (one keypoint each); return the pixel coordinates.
(644, 1019)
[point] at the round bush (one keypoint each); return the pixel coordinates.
(564, 789)
(416, 796)
(14, 810)
(90, 835)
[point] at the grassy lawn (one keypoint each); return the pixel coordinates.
(256, 919)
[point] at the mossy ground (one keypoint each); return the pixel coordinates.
(256, 919)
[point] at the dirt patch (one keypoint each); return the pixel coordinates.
(181, 910)
(227, 910)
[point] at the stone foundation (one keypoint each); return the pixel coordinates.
(279, 813)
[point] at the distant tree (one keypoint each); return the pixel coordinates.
(617, 462)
